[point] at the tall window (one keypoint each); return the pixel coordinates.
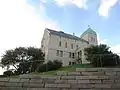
(66, 45)
(71, 46)
(61, 53)
(92, 39)
(73, 55)
(77, 46)
(78, 54)
(60, 43)
(57, 53)
(69, 54)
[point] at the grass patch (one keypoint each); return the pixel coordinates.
(66, 69)
(82, 66)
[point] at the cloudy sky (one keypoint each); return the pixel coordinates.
(22, 22)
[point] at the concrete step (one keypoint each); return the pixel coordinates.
(85, 73)
(64, 86)
(98, 69)
(81, 79)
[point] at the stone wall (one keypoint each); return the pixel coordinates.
(81, 79)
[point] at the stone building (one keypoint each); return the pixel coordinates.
(67, 48)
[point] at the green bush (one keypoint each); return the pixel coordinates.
(49, 66)
(8, 73)
(101, 56)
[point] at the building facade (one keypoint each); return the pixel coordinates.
(67, 48)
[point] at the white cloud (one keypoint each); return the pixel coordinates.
(105, 6)
(21, 25)
(100, 40)
(116, 49)
(78, 3)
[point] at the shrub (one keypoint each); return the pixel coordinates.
(49, 66)
(101, 56)
(8, 73)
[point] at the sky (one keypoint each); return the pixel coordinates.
(22, 22)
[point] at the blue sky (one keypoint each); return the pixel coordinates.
(22, 22)
(74, 19)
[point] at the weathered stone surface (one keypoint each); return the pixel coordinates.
(91, 69)
(92, 89)
(80, 69)
(4, 79)
(101, 86)
(50, 77)
(87, 77)
(80, 86)
(108, 81)
(36, 81)
(117, 81)
(12, 88)
(74, 73)
(68, 77)
(33, 85)
(93, 77)
(57, 85)
(118, 73)
(24, 80)
(95, 81)
(14, 80)
(92, 73)
(61, 81)
(103, 77)
(110, 73)
(72, 81)
(115, 86)
(116, 69)
(2, 84)
(82, 77)
(49, 81)
(43, 88)
(62, 73)
(83, 81)
(15, 84)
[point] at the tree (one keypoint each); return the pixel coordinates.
(101, 56)
(23, 59)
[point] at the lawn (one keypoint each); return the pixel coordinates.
(66, 69)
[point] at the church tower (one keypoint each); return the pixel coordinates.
(90, 36)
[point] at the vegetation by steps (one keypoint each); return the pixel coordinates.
(66, 69)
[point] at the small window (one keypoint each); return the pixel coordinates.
(77, 46)
(66, 45)
(60, 43)
(57, 53)
(73, 55)
(42, 46)
(71, 46)
(78, 54)
(61, 53)
(69, 54)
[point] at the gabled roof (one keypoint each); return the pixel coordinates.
(61, 33)
(90, 31)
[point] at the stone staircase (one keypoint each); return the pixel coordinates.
(81, 79)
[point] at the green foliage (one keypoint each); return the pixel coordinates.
(8, 73)
(24, 60)
(49, 66)
(101, 56)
